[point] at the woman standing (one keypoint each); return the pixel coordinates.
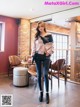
(41, 52)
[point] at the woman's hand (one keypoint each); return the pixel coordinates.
(29, 60)
(47, 54)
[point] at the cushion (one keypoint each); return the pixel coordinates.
(20, 71)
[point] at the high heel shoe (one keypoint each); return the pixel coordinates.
(41, 97)
(47, 98)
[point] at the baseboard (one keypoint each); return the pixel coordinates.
(73, 82)
(3, 74)
(68, 80)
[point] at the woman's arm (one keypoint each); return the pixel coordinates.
(33, 48)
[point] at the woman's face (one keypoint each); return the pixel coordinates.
(41, 27)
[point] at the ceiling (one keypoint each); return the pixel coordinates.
(32, 8)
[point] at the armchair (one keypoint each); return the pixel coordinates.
(14, 61)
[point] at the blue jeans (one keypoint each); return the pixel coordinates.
(42, 67)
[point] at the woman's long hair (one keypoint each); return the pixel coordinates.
(38, 32)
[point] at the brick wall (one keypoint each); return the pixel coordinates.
(24, 38)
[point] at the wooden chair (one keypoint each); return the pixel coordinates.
(56, 69)
(14, 61)
(32, 72)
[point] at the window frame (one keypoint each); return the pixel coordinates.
(2, 37)
(54, 55)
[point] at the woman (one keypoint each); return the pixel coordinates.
(41, 52)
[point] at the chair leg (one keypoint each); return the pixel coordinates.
(28, 79)
(51, 83)
(58, 80)
(65, 75)
(8, 72)
(51, 77)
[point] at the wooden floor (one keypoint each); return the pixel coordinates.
(68, 96)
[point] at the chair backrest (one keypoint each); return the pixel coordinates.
(58, 64)
(14, 60)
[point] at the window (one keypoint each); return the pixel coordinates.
(2, 35)
(61, 46)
